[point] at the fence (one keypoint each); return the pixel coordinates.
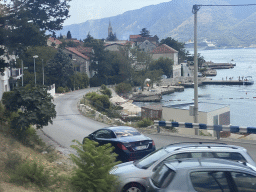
(217, 128)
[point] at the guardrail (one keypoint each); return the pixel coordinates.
(217, 128)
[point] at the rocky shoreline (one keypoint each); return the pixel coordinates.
(166, 86)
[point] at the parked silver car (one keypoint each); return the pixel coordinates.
(132, 175)
(203, 175)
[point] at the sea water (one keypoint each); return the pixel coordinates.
(240, 98)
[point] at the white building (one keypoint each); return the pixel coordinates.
(208, 113)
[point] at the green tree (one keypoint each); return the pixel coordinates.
(165, 64)
(200, 58)
(141, 67)
(79, 80)
(59, 70)
(93, 165)
(154, 76)
(27, 21)
(178, 46)
(144, 32)
(45, 54)
(33, 106)
(69, 35)
(88, 42)
(123, 88)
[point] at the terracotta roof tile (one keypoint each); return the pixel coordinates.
(134, 36)
(54, 40)
(163, 49)
(75, 51)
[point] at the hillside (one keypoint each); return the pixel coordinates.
(226, 26)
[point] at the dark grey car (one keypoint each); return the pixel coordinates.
(132, 175)
(203, 175)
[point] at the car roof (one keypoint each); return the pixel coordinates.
(214, 163)
(202, 145)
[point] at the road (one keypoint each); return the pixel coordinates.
(70, 124)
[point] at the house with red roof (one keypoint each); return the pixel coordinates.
(81, 59)
(166, 51)
(115, 45)
(51, 41)
(139, 39)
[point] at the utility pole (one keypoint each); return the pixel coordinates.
(194, 11)
(35, 56)
(22, 73)
(43, 70)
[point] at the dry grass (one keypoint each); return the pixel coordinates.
(10, 145)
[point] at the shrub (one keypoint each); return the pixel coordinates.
(13, 160)
(100, 102)
(32, 172)
(122, 88)
(107, 92)
(145, 122)
(60, 90)
(93, 165)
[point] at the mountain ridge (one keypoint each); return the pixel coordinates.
(175, 19)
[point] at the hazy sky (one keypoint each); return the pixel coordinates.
(83, 10)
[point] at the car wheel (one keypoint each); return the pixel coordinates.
(133, 187)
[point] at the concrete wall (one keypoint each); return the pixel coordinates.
(210, 115)
(173, 56)
(176, 71)
(182, 115)
(84, 65)
(4, 82)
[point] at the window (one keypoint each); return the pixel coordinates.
(209, 181)
(104, 134)
(230, 156)
(147, 161)
(244, 182)
(126, 132)
(162, 177)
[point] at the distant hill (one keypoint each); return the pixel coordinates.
(225, 26)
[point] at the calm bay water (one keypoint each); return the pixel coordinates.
(240, 98)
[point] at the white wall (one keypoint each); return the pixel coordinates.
(4, 82)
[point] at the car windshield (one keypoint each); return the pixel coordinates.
(147, 161)
(126, 132)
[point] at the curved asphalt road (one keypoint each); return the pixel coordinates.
(70, 124)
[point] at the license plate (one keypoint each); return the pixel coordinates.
(141, 147)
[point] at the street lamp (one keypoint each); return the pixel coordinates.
(35, 56)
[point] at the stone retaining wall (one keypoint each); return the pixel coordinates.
(90, 112)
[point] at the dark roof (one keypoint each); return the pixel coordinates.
(163, 49)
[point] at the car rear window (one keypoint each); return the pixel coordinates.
(162, 176)
(126, 132)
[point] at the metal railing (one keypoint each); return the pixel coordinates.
(200, 126)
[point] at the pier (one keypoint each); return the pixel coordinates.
(227, 82)
(218, 65)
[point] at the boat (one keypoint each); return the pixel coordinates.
(248, 80)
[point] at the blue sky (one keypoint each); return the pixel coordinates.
(82, 10)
